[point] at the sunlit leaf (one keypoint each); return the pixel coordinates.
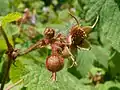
(10, 18)
(85, 60)
(17, 71)
(3, 45)
(102, 55)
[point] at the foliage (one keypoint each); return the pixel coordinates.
(10, 18)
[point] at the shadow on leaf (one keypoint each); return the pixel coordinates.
(114, 88)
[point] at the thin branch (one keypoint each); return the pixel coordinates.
(7, 63)
(38, 44)
(11, 86)
(6, 68)
(74, 18)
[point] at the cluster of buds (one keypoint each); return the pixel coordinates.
(63, 46)
(59, 50)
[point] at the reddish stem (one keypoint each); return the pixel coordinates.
(53, 76)
(7, 63)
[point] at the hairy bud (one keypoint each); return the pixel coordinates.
(49, 33)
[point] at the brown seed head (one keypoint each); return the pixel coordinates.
(49, 33)
(77, 35)
(54, 63)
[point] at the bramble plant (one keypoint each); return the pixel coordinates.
(59, 45)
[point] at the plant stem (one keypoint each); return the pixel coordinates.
(7, 63)
(5, 37)
(6, 68)
(11, 86)
(38, 44)
(53, 76)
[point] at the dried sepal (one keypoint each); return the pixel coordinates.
(85, 45)
(67, 54)
(77, 38)
(88, 29)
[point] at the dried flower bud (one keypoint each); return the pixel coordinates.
(49, 33)
(77, 35)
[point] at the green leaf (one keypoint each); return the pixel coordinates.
(17, 87)
(109, 13)
(95, 6)
(94, 70)
(17, 71)
(11, 30)
(102, 55)
(10, 18)
(39, 79)
(4, 8)
(115, 66)
(109, 85)
(85, 61)
(3, 45)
